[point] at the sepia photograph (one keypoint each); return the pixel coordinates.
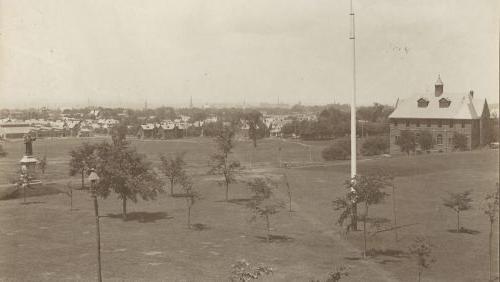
(249, 140)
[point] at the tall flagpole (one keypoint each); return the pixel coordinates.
(353, 102)
(354, 215)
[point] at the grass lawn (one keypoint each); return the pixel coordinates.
(43, 240)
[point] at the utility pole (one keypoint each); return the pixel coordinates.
(352, 37)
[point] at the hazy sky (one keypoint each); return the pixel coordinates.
(121, 52)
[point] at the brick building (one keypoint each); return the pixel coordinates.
(442, 114)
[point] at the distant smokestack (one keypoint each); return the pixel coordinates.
(471, 93)
(438, 87)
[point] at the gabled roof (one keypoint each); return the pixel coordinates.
(148, 126)
(462, 106)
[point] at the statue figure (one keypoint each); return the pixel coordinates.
(28, 140)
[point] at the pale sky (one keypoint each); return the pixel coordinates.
(122, 52)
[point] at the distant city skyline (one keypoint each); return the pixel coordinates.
(122, 53)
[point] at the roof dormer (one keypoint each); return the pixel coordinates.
(444, 103)
(422, 103)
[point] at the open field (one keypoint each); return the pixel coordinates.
(45, 241)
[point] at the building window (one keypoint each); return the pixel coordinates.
(422, 103)
(463, 123)
(451, 123)
(396, 139)
(439, 139)
(418, 123)
(428, 123)
(440, 123)
(395, 123)
(444, 103)
(450, 140)
(407, 123)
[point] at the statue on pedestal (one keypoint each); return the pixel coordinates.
(29, 162)
(28, 141)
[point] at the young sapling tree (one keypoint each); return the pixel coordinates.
(491, 211)
(421, 250)
(263, 202)
(173, 168)
(367, 190)
(458, 202)
(221, 164)
(190, 194)
(43, 164)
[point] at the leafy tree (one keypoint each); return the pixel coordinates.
(425, 140)
(407, 142)
(2, 152)
(124, 171)
(346, 206)
(458, 202)
(83, 158)
(459, 141)
(173, 168)
(221, 163)
(339, 150)
(375, 145)
(190, 194)
(263, 203)
(421, 250)
(365, 190)
(256, 128)
(491, 210)
(43, 164)
(242, 271)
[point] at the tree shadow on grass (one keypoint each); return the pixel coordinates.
(276, 239)
(32, 203)
(465, 231)
(386, 253)
(240, 201)
(200, 227)
(143, 217)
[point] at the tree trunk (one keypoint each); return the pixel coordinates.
(489, 249)
(458, 221)
(171, 187)
(189, 216)
(71, 199)
(83, 179)
(124, 207)
(419, 274)
(268, 226)
(394, 212)
(354, 217)
(364, 230)
(227, 191)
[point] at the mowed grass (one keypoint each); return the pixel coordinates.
(43, 240)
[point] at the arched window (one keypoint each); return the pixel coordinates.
(439, 139)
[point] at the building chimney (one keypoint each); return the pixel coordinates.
(471, 93)
(438, 87)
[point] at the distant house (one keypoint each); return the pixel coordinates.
(146, 131)
(442, 114)
(14, 130)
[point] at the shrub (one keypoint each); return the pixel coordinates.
(339, 150)
(459, 141)
(425, 140)
(407, 142)
(375, 145)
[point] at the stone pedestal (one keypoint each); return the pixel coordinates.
(28, 168)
